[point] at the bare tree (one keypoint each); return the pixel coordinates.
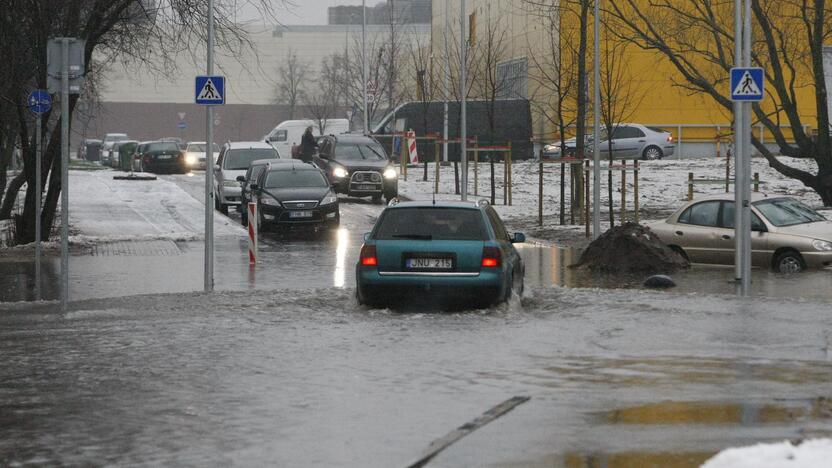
(571, 45)
(138, 32)
(292, 76)
(555, 93)
(696, 37)
(620, 97)
(324, 103)
(489, 83)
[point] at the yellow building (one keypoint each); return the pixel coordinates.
(529, 38)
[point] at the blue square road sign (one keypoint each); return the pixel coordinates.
(747, 84)
(210, 90)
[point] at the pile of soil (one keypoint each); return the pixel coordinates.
(631, 248)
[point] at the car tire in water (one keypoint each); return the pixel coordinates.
(652, 153)
(789, 262)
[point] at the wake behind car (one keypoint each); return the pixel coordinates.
(295, 194)
(458, 252)
(357, 165)
(234, 159)
(787, 236)
(162, 156)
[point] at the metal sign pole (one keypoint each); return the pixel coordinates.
(38, 190)
(738, 152)
(209, 164)
(364, 62)
(463, 128)
(65, 174)
(745, 189)
(447, 86)
(596, 153)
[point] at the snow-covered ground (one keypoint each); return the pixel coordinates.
(102, 209)
(662, 189)
(808, 454)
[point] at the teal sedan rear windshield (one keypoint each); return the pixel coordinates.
(431, 224)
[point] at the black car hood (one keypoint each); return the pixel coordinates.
(362, 165)
(298, 193)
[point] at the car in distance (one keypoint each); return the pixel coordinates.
(161, 157)
(233, 161)
(250, 177)
(787, 236)
(357, 165)
(458, 252)
(629, 141)
(107, 146)
(195, 154)
(295, 194)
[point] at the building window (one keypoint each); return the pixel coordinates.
(513, 76)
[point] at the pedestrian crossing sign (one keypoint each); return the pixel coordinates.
(747, 84)
(210, 90)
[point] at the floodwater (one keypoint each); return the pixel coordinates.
(283, 368)
(308, 378)
(302, 260)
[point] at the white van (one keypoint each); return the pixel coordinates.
(289, 133)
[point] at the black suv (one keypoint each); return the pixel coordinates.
(357, 166)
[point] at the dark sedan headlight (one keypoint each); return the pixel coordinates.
(340, 172)
(329, 199)
(390, 173)
(269, 201)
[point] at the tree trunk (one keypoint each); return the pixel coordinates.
(11, 195)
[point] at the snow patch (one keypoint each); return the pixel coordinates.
(808, 454)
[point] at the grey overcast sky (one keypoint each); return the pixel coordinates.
(298, 11)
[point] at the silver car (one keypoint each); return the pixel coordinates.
(629, 141)
(787, 236)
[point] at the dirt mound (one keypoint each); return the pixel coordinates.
(631, 248)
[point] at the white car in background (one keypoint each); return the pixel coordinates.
(289, 133)
(195, 154)
(629, 141)
(234, 160)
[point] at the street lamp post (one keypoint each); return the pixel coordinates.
(463, 129)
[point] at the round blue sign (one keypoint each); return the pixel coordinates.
(182, 125)
(39, 101)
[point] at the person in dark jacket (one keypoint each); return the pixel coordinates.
(308, 145)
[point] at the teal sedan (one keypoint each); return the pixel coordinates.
(458, 253)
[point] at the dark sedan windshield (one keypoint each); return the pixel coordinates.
(240, 159)
(354, 152)
(163, 146)
(787, 212)
(288, 179)
(431, 224)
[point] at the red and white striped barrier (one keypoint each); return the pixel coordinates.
(252, 233)
(411, 145)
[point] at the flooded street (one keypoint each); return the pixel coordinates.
(308, 378)
(281, 367)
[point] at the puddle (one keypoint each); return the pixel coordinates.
(550, 266)
(636, 460)
(710, 413)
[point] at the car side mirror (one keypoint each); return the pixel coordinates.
(366, 236)
(272, 138)
(241, 178)
(254, 187)
(757, 227)
(518, 238)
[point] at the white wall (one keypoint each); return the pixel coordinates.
(250, 74)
